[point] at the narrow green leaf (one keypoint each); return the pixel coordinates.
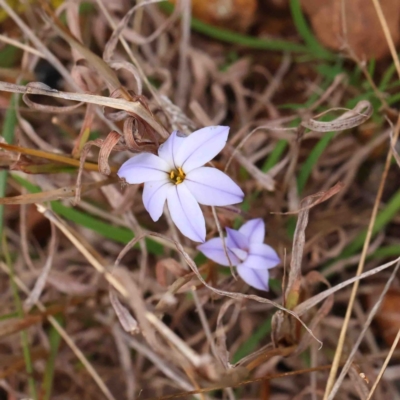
(275, 155)
(54, 339)
(308, 165)
(306, 33)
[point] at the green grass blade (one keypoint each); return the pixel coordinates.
(371, 69)
(275, 155)
(384, 252)
(387, 76)
(54, 339)
(305, 32)
(393, 99)
(308, 165)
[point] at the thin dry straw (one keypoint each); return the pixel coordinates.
(354, 350)
(339, 349)
(385, 364)
(338, 353)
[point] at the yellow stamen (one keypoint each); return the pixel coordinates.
(177, 176)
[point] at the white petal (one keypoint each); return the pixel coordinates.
(236, 239)
(212, 187)
(186, 213)
(201, 146)
(144, 167)
(214, 250)
(170, 147)
(254, 230)
(154, 196)
(258, 278)
(266, 252)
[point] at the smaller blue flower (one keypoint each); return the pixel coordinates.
(246, 251)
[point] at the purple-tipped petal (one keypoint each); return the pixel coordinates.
(212, 187)
(214, 250)
(254, 230)
(186, 213)
(154, 196)
(144, 167)
(201, 146)
(266, 252)
(258, 278)
(170, 147)
(236, 239)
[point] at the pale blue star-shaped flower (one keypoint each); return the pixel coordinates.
(246, 251)
(177, 175)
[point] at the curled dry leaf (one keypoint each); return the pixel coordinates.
(134, 132)
(350, 119)
(134, 36)
(96, 63)
(134, 108)
(106, 148)
(362, 31)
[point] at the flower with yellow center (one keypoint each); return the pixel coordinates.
(178, 175)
